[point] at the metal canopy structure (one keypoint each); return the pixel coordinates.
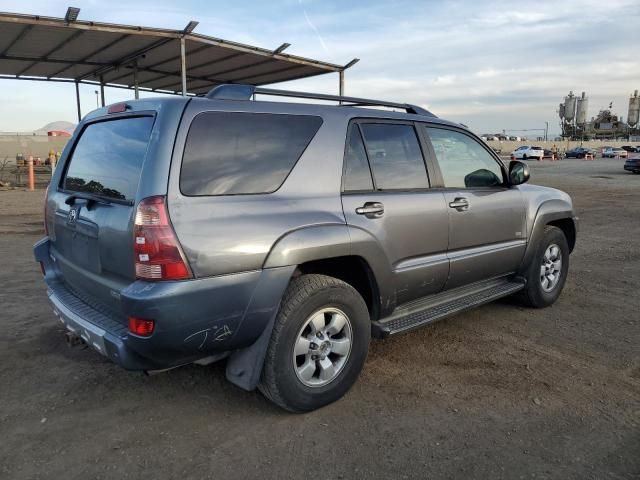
(151, 59)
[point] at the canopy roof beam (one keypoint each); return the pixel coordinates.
(94, 52)
(71, 38)
(18, 37)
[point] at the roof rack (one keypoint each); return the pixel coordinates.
(232, 91)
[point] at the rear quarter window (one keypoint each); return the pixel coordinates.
(230, 153)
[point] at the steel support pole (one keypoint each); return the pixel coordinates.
(341, 84)
(183, 66)
(78, 101)
(135, 80)
(102, 91)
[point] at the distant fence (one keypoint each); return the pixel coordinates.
(19, 176)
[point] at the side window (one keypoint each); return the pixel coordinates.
(464, 163)
(231, 153)
(357, 175)
(395, 156)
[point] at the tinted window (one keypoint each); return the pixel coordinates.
(108, 158)
(357, 175)
(233, 153)
(464, 163)
(395, 156)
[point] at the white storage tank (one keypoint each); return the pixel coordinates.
(570, 107)
(581, 110)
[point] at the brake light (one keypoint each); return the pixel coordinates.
(158, 253)
(141, 327)
(117, 108)
(46, 197)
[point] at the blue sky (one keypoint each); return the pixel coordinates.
(490, 65)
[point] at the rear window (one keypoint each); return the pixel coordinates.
(229, 153)
(108, 157)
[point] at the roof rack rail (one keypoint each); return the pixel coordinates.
(231, 91)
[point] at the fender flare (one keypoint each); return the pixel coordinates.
(321, 242)
(549, 211)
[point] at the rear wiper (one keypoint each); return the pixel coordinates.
(71, 199)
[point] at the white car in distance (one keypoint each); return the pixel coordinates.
(525, 152)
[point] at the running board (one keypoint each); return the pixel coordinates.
(443, 305)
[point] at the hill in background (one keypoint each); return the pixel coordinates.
(59, 125)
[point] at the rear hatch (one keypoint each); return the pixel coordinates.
(90, 225)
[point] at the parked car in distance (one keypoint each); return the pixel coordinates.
(631, 149)
(579, 152)
(281, 236)
(612, 152)
(632, 164)
(526, 151)
(498, 150)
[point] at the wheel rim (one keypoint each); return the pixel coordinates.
(322, 347)
(551, 267)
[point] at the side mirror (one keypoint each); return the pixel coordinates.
(518, 173)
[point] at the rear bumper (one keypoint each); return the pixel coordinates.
(99, 333)
(194, 319)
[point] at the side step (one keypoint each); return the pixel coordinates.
(443, 305)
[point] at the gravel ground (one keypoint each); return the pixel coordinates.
(500, 392)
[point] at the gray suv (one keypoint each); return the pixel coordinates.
(282, 236)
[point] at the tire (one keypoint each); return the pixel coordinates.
(285, 377)
(535, 293)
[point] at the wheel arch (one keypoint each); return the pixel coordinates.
(557, 213)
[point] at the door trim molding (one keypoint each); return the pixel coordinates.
(471, 252)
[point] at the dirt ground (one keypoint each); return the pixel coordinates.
(500, 392)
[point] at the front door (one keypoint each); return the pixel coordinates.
(487, 234)
(386, 195)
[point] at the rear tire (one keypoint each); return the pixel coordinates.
(319, 344)
(547, 272)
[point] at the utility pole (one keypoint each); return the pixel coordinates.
(546, 131)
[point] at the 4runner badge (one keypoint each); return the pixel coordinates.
(73, 216)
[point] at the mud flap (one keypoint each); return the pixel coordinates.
(244, 366)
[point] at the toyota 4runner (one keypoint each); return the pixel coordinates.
(282, 236)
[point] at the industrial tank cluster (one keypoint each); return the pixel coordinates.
(606, 125)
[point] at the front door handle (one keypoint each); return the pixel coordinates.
(460, 204)
(371, 209)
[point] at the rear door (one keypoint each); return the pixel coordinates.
(90, 232)
(386, 193)
(487, 234)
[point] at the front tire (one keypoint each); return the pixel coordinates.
(319, 344)
(547, 273)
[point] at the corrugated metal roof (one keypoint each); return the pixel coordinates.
(50, 48)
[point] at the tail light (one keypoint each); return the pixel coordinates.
(158, 253)
(141, 327)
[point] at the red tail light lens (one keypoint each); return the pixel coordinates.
(141, 327)
(158, 253)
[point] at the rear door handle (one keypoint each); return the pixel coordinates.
(460, 204)
(371, 209)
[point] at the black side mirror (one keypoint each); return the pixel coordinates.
(518, 173)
